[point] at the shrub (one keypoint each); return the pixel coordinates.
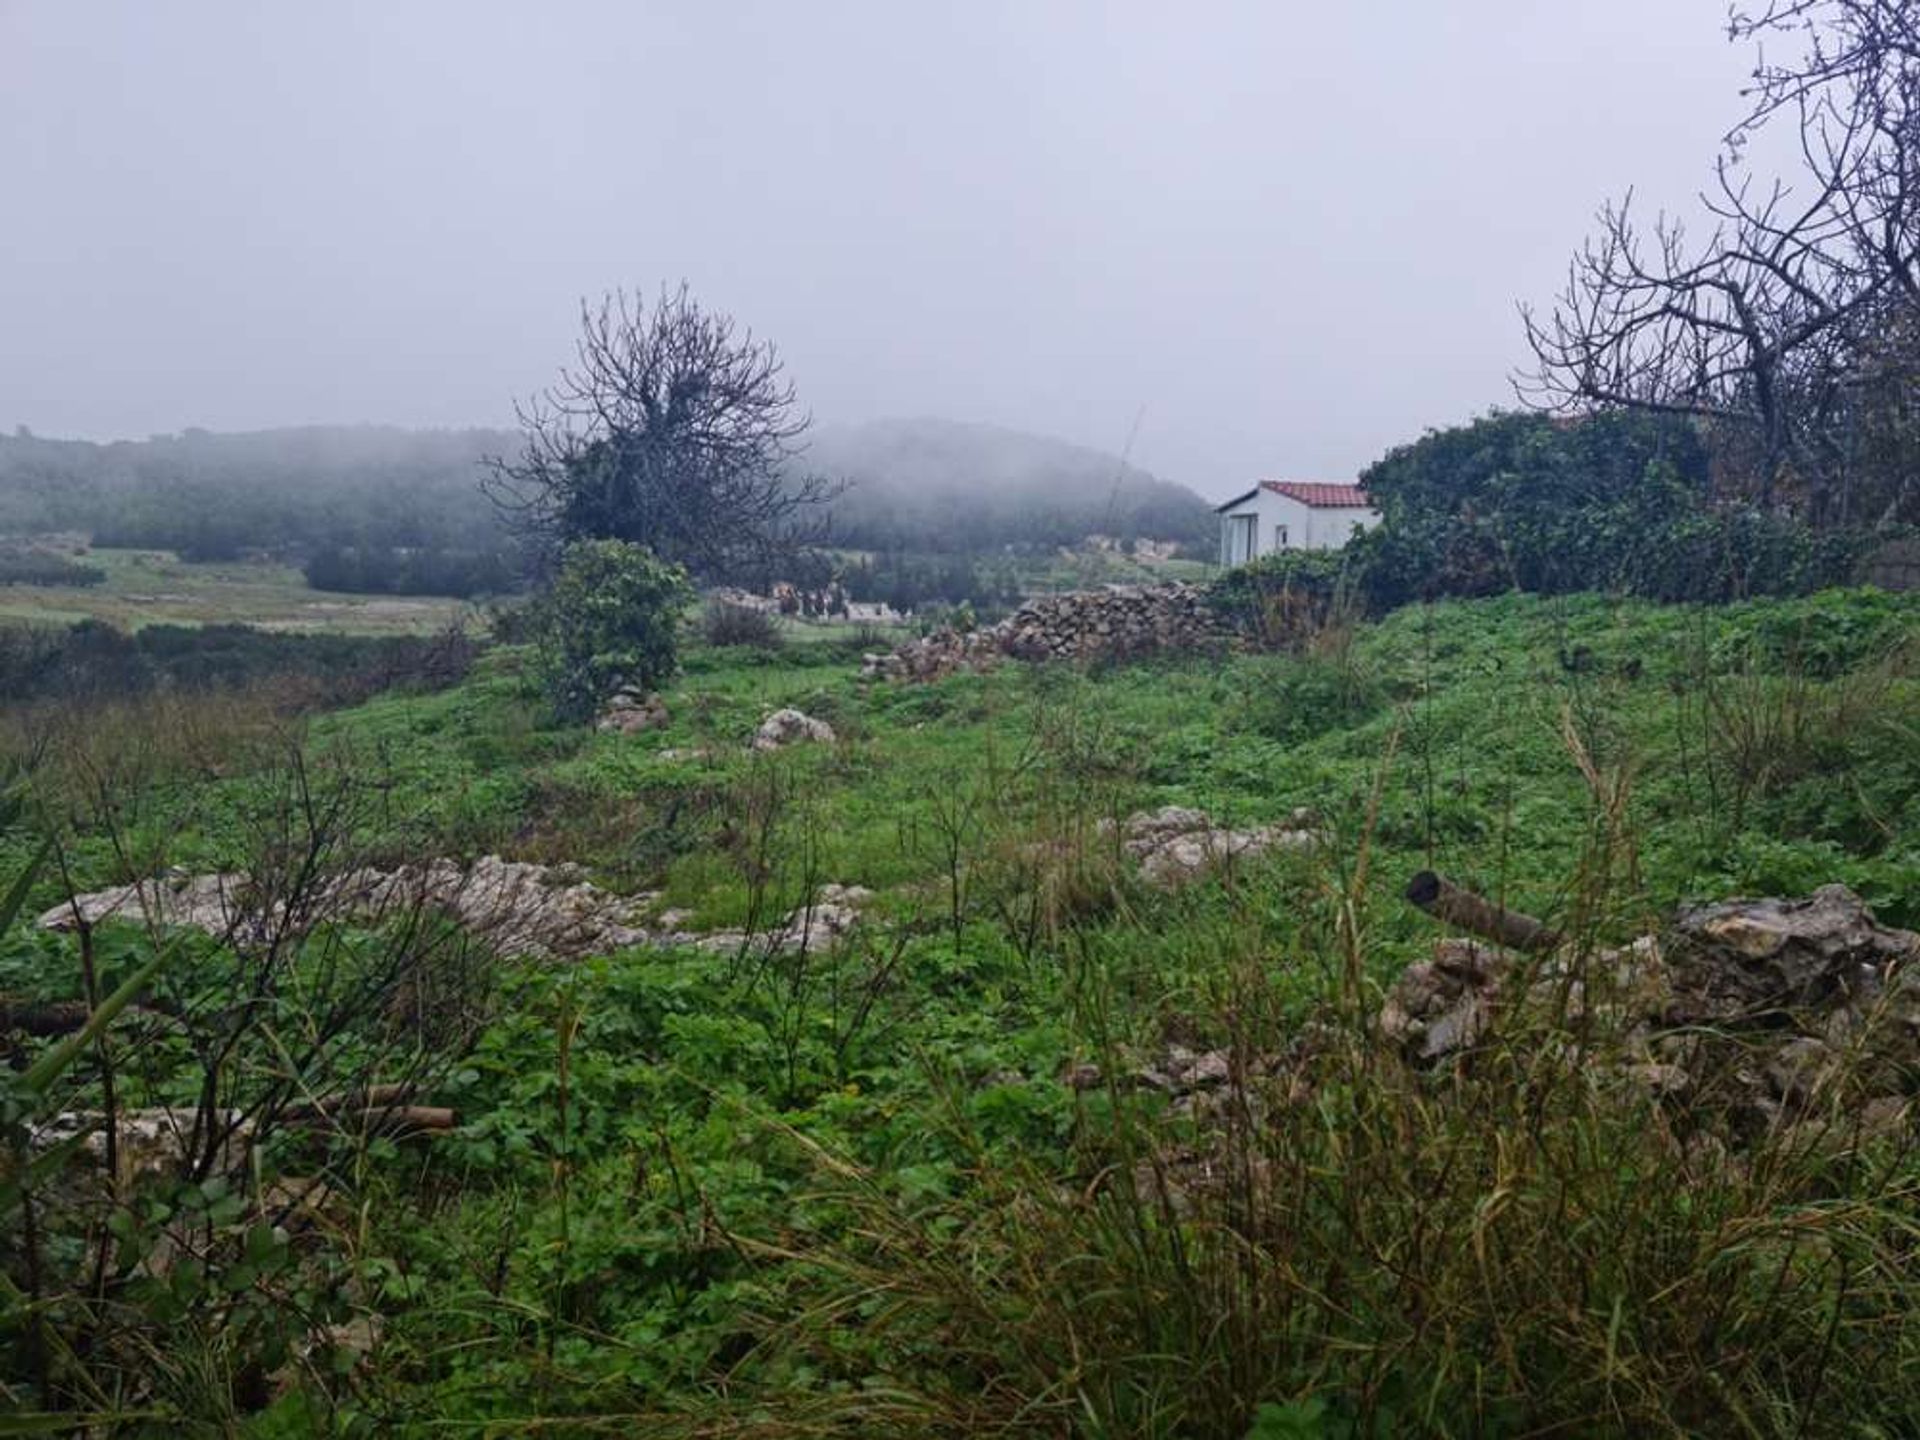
(92, 659)
(1299, 699)
(392, 571)
(1614, 502)
(1280, 599)
(725, 623)
(43, 567)
(608, 620)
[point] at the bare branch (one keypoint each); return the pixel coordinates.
(674, 430)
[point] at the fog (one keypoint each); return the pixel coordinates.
(1261, 239)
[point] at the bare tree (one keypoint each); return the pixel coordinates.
(1776, 326)
(671, 430)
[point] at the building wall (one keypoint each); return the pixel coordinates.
(1283, 523)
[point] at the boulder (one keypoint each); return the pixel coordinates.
(631, 712)
(790, 727)
(820, 924)
(1176, 844)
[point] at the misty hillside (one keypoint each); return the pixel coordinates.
(212, 495)
(912, 485)
(940, 485)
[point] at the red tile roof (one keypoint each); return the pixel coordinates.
(1319, 494)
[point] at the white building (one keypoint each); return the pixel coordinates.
(1291, 515)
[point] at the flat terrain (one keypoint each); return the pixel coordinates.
(150, 587)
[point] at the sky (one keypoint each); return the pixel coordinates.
(1263, 239)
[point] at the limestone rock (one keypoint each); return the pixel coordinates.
(1116, 622)
(630, 712)
(819, 925)
(790, 727)
(1757, 1010)
(1176, 844)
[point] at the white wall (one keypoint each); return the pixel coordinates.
(1305, 527)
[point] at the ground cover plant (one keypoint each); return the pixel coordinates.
(910, 1184)
(157, 587)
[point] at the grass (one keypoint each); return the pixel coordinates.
(855, 1193)
(148, 587)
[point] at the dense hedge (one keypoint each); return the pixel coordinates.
(20, 566)
(370, 570)
(1617, 503)
(93, 658)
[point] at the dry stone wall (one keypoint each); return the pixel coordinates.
(1117, 622)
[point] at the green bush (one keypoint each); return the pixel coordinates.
(609, 620)
(28, 566)
(725, 623)
(1616, 502)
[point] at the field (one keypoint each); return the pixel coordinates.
(1083, 568)
(150, 587)
(870, 1188)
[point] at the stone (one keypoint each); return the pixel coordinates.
(790, 727)
(1762, 1011)
(1744, 961)
(1177, 844)
(820, 925)
(630, 712)
(1117, 622)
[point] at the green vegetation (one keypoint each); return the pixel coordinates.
(864, 1190)
(91, 660)
(1614, 501)
(945, 511)
(151, 587)
(610, 619)
(22, 565)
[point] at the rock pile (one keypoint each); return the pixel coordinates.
(1176, 844)
(1753, 1008)
(819, 926)
(1117, 622)
(518, 910)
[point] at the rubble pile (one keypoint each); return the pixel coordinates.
(518, 910)
(1756, 1009)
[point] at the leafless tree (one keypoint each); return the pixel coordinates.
(672, 430)
(1775, 326)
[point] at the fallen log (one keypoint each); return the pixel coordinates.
(1461, 908)
(372, 1097)
(384, 1109)
(43, 1019)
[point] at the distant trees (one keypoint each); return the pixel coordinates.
(394, 511)
(1792, 329)
(25, 565)
(390, 570)
(906, 581)
(672, 430)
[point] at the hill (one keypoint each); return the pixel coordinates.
(928, 484)
(212, 496)
(921, 485)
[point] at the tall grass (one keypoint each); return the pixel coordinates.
(1529, 1242)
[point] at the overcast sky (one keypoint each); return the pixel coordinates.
(1286, 235)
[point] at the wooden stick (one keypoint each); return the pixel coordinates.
(373, 1097)
(51, 1017)
(1459, 907)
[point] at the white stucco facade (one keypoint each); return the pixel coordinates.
(1288, 515)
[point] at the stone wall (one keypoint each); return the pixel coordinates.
(1117, 622)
